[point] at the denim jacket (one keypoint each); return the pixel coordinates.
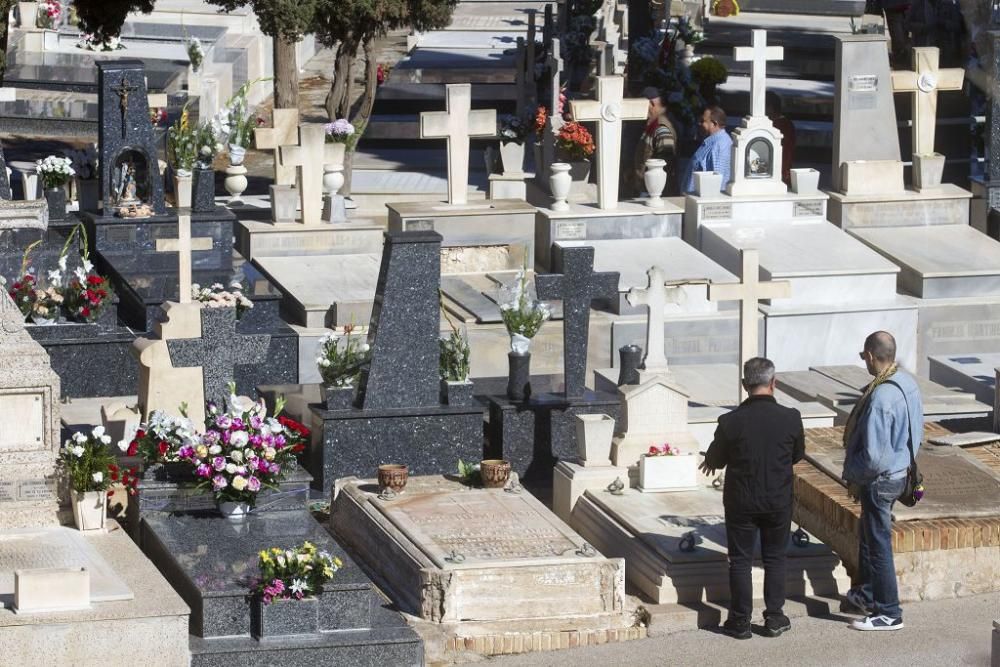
(878, 445)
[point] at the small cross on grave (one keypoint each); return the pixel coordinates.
(923, 83)
(609, 110)
(124, 89)
(576, 286)
(749, 292)
(308, 157)
(284, 133)
(758, 53)
(219, 350)
(555, 121)
(456, 125)
(655, 297)
(183, 245)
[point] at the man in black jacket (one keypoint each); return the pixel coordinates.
(757, 444)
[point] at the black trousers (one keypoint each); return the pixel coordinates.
(741, 534)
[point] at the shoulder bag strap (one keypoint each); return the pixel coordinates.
(909, 426)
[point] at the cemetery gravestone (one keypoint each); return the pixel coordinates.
(655, 297)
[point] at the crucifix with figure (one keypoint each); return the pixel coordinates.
(758, 53)
(923, 84)
(609, 110)
(749, 292)
(124, 89)
(655, 298)
(457, 124)
(577, 286)
(183, 245)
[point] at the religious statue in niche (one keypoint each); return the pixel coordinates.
(759, 162)
(131, 186)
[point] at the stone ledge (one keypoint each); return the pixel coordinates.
(533, 642)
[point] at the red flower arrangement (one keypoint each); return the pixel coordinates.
(574, 142)
(128, 477)
(157, 116)
(541, 116)
(23, 294)
(296, 434)
(87, 296)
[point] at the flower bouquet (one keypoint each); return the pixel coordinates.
(294, 574)
(339, 131)
(55, 171)
(195, 53)
(161, 439)
(89, 42)
(23, 293)
(541, 117)
(217, 296)
(49, 14)
(182, 144)
(86, 462)
(574, 142)
(513, 129)
(341, 357)
(523, 315)
(208, 144)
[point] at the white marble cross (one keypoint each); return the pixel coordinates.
(309, 156)
(758, 54)
(655, 297)
(609, 110)
(456, 125)
(284, 133)
(184, 245)
(749, 292)
(924, 84)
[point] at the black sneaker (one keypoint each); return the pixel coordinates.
(776, 625)
(878, 623)
(857, 600)
(737, 629)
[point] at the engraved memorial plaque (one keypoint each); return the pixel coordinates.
(33, 490)
(571, 231)
(22, 422)
(418, 225)
(862, 91)
(117, 235)
(717, 212)
(807, 208)
(8, 491)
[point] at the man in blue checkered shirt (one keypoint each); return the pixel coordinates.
(715, 151)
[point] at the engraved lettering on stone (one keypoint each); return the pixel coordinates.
(807, 208)
(863, 83)
(717, 212)
(571, 231)
(419, 225)
(34, 489)
(8, 491)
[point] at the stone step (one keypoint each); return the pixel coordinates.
(808, 7)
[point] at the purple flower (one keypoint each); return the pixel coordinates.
(274, 468)
(279, 441)
(210, 438)
(204, 470)
(237, 424)
(223, 421)
(219, 462)
(263, 466)
(256, 422)
(255, 440)
(219, 482)
(186, 452)
(253, 484)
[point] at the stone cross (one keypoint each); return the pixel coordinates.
(923, 83)
(555, 121)
(655, 297)
(749, 292)
(308, 157)
(758, 53)
(284, 133)
(576, 286)
(609, 110)
(456, 125)
(218, 351)
(183, 245)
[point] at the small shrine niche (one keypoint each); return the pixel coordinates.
(759, 159)
(130, 178)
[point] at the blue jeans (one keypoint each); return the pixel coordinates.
(876, 569)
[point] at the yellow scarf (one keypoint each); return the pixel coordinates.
(852, 420)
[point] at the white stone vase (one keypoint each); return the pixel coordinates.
(236, 182)
(655, 179)
(236, 154)
(805, 181)
(27, 13)
(333, 178)
(708, 184)
(182, 189)
(668, 473)
(593, 438)
(512, 157)
(560, 182)
(234, 512)
(336, 152)
(89, 509)
(927, 171)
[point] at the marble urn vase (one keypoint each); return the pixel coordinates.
(593, 438)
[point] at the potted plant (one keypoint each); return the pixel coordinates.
(284, 598)
(339, 362)
(86, 461)
(513, 133)
(666, 468)
(339, 134)
(208, 144)
(709, 73)
(574, 146)
(523, 315)
(182, 152)
(393, 476)
(217, 296)
(55, 173)
(453, 365)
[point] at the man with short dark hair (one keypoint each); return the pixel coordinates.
(716, 150)
(885, 423)
(757, 444)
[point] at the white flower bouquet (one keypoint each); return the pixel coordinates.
(55, 171)
(523, 314)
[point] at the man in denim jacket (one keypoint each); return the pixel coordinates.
(887, 418)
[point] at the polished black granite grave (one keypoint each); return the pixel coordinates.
(535, 434)
(212, 564)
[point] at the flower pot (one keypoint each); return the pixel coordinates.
(631, 359)
(88, 193)
(655, 179)
(333, 177)
(805, 181)
(56, 199)
(233, 511)
(560, 182)
(927, 171)
(393, 476)
(338, 398)
(708, 184)
(519, 376)
(236, 154)
(593, 439)
(284, 617)
(512, 156)
(457, 393)
(203, 190)
(27, 13)
(236, 182)
(668, 473)
(182, 189)
(495, 473)
(89, 509)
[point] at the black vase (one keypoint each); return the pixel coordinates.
(631, 358)
(56, 198)
(519, 377)
(203, 191)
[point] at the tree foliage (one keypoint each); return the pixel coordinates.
(287, 19)
(105, 18)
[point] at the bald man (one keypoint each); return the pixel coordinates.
(884, 425)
